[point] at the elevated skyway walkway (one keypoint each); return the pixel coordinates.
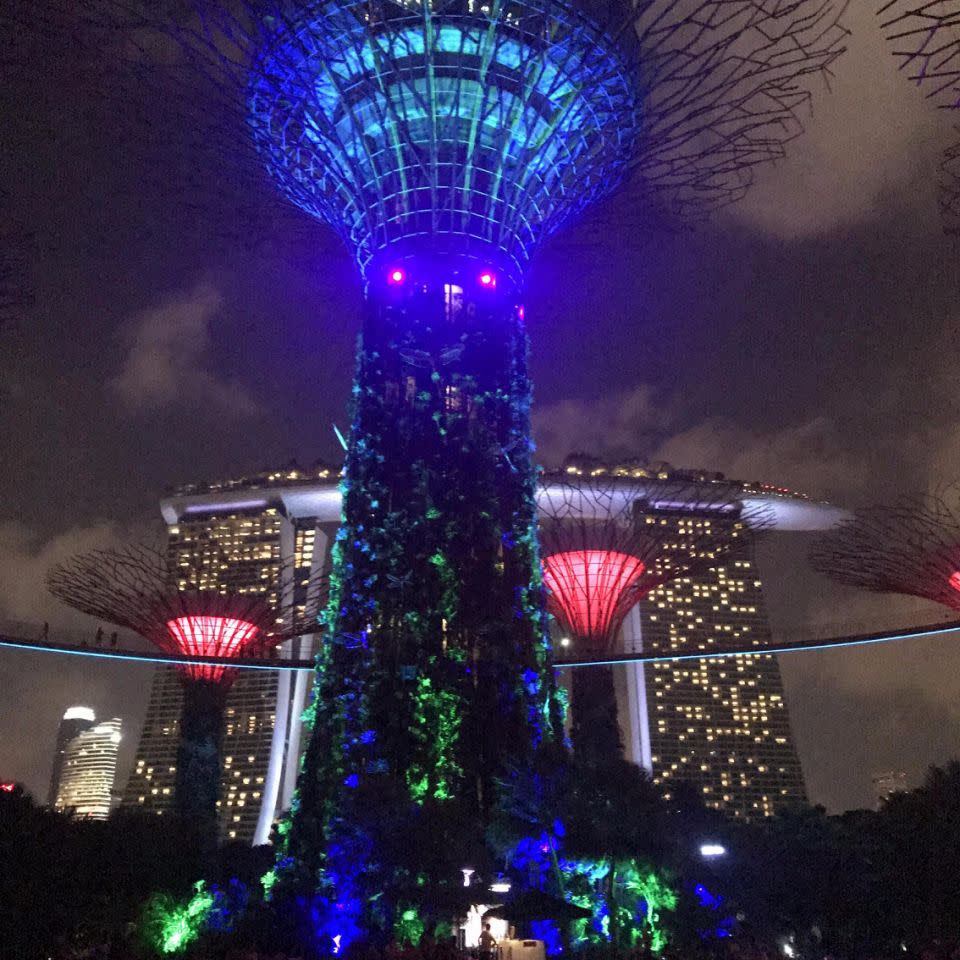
(32, 637)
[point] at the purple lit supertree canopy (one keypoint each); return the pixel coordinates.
(911, 547)
(925, 39)
(443, 141)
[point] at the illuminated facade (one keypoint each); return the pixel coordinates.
(240, 536)
(75, 720)
(287, 519)
(89, 770)
(721, 725)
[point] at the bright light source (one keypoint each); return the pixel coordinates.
(564, 641)
(520, 312)
(500, 886)
(955, 580)
(79, 713)
(788, 950)
(467, 874)
(396, 275)
(487, 279)
(712, 850)
(8, 787)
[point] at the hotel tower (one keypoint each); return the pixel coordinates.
(721, 725)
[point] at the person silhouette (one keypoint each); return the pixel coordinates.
(45, 632)
(113, 639)
(99, 637)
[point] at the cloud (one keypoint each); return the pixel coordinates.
(870, 136)
(166, 364)
(811, 456)
(25, 559)
(615, 426)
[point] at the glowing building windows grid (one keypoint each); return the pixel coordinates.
(720, 724)
(237, 551)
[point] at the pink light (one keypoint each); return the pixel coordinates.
(487, 279)
(396, 275)
(587, 586)
(520, 312)
(955, 580)
(210, 637)
(8, 787)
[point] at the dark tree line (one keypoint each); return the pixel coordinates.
(865, 884)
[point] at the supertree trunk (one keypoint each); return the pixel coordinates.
(593, 707)
(197, 785)
(434, 681)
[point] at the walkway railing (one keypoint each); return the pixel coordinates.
(34, 637)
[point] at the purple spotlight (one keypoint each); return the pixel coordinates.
(396, 276)
(520, 311)
(488, 280)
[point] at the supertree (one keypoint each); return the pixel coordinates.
(135, 587)
(925, 39)
(911, 547)
(609, 540)
(443, 140)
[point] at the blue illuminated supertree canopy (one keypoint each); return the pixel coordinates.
(477, 133)
(479, 128)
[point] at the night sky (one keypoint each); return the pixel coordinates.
(806, 337)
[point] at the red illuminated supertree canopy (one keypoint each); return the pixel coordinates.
(135, 587)
(607, 542)
(911, 547)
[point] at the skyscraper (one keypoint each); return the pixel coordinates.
(277, 527)
(89, 770)
(254, 535)
(75, 720)
(719, 724)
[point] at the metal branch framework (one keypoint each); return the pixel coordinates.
(911, 547)
(476, 128)
(608, 541)
(925, 39)
(135, 587)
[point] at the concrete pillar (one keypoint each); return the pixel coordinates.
(638, 739)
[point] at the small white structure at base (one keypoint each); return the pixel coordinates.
(522, 950)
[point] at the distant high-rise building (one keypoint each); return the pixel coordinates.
(89, 770)
(887, 783)
(75, 720)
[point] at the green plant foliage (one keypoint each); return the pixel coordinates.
(434, 680)
(170, 925)
(627, 899)
(409, 927)
(436, 716)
